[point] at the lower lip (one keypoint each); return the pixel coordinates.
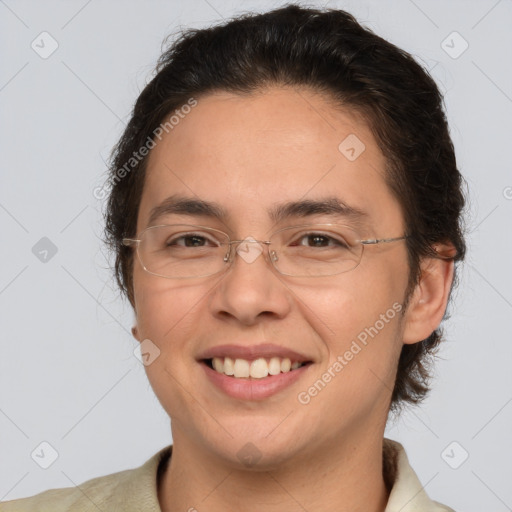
(253, 389)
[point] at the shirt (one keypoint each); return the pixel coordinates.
(135, 490)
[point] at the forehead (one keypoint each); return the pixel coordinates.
(251, 152)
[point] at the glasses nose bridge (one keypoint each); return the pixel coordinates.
(246, 253)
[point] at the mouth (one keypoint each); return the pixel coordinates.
(259, 368)
(253, 373)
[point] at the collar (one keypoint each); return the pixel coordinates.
(406, 495)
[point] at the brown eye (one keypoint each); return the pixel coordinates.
(320, 240)
(317, 240)
(189, 241)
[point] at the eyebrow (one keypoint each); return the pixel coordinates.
(186, 206)
(330, 206)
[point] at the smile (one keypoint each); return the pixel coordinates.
(255, 369)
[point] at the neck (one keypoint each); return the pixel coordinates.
(346, 478)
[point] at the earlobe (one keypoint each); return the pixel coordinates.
(135, 333)
(428, 302)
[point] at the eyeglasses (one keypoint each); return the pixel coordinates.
(180, 251)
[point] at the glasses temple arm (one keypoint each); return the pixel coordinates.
(127, 242)
(382, 240)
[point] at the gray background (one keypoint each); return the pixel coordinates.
(67, 369)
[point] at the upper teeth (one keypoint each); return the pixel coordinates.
(257, 369)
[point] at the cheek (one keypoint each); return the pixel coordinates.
(357, 319)
(166, 310)
(168, 314)
(345, 306)
(360, 336)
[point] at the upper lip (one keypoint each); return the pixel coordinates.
(265, 350)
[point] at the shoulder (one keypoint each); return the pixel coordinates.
(87, 496)
(132, 489)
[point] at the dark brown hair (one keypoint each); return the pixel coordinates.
(330, 52)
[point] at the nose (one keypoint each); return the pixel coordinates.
(250, 289)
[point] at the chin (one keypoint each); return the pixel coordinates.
(262, 445)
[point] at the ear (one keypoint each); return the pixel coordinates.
(135, 333)
(428, 302)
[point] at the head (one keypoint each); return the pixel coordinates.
(251, 115)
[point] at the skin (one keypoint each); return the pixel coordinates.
(248, 153)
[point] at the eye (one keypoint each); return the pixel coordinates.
(316, 240)
(191, 240)
(320, 240)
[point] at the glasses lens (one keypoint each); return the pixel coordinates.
(316, 250)
(180, 251)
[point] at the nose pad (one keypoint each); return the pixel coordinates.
(249, 250)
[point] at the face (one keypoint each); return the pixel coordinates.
(248, 156)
